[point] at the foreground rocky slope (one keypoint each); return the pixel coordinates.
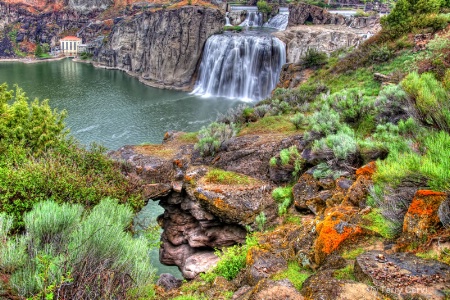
(162, 48)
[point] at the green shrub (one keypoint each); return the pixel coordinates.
(314, 58)
(263, 6)
(323, 170)
(284, 197)
(325, 121)
(380, 54)
(12, 249)
(213, 136)
(341, 145)
(33, 126)
(430, 99)
(432, 165)
(87, 257)
(232, 260)
(298, 120)
(261, 221)
(38, 162)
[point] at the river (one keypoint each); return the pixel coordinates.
(110, 107)
(113, 109)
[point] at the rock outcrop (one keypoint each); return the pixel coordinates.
(403, 275)
(22, 27)
(200, 214)
(303, 13)
(162, 48)
(326, 39)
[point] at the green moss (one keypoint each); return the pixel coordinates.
(295, 274)
(352, 254)
(219, 176)
(378, 223)
(345, 273)
(271, 124)
(189, 137)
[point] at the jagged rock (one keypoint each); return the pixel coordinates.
(235, 204)
(272, 290)
(403, 275)
(199, 263)
(250, 155)
(263, 265)
(302, 13)
(168, 281)
(163, 47)
(336, 228)
(317, 204)
(422, 216)
(323, 286)
(305, 189)
(326, 39)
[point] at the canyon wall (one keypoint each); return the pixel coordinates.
(162, 48)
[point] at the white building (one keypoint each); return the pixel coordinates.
(69, 45)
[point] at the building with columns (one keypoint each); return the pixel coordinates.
(69, 45)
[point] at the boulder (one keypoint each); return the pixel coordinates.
(270, 290)
(323, 286)
(304, 190)
(336, 228)
(422, 216)
(168, 282)
(199, 262)
(263, 265)
(403, 275)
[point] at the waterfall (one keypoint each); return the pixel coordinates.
(280, 21)
(240, 66)
(254, 19)
(227, 20)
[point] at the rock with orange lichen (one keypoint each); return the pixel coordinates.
(336, 228)
(422, 215)
(357, 193)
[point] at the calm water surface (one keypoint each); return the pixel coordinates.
(113, 109)
(108, 106)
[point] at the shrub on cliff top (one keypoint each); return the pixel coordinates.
(213, 136)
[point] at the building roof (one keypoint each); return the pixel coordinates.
(70, 38)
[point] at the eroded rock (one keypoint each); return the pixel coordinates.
(422, 216)
(403, 275)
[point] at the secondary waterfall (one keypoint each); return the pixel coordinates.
(254, 19)
(280, 21)
(245, 66)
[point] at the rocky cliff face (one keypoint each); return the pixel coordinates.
(162, 48)
(21, 27)
(327, 39)
(202, 214)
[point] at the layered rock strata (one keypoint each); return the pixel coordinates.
(162, 48)
(202, 214)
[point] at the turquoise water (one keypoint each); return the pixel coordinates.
(108, 106)
(113, 109)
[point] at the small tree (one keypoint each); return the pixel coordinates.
(38, 52)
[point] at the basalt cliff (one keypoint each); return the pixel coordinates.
(162, 48)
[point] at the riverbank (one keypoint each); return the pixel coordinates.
(28, 60)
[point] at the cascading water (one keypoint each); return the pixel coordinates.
(245, 66)
(280, 21)
(254, 19)
(227, 20)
